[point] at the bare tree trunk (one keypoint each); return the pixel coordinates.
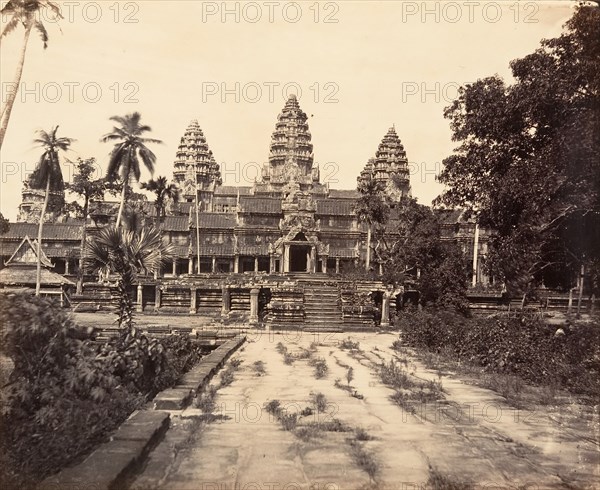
(7, 109)
(38, 277)
(82, 248)
(368, 261)
(122, 204)
(580, 295)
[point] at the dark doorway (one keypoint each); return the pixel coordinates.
(299, 258)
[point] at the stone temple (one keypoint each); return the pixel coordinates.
(272, 251)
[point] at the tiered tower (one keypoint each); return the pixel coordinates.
(389, 167)
(291, 151)
(195, 167)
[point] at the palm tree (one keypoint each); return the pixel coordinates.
(47, 174)
(163, 191)
(126, 253)
(129, 148)
(26, 13)
(371, 208)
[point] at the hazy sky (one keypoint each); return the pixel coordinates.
(357, 66)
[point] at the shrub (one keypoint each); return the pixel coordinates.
(523, 346)
(67, 394)
(320, 365)
(319, 401)
(349, 344)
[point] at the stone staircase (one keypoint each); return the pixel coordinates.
(322, 312)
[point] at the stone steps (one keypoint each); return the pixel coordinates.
(321, 306)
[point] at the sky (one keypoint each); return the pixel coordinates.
(357, 67)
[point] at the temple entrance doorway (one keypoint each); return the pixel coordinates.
(299, 258)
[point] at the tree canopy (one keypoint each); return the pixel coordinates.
(528, 162)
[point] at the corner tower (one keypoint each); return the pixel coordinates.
(291, 150)
(389, 167)
(195, 170)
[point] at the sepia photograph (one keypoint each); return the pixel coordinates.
(299, 245)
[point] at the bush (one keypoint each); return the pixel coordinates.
(522, 346)
(65, 394)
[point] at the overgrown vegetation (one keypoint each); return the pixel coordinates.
(524, 346)
(228, 374)
(320, 366)
(65, 395)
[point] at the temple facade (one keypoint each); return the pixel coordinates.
(273, 250)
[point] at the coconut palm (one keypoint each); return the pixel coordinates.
(129, 148)
(163, 191)
(127, 254)
(47, 175)
(371, 208)
(27, 14)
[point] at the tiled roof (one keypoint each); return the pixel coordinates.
(175, 223)
(215, 220)
(260, 205)
(27, 276)
(180, 251)
(335, 207)
(231, 190)
(50, 231)
(344, 193)
(451, 216)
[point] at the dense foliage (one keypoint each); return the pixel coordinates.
(523, 346)
(529, 160)
(413, 242)
(66, 395)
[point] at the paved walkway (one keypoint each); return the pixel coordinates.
(471, 438)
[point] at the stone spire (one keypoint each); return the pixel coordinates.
(291, 150)
(390, 167)
(195, 161)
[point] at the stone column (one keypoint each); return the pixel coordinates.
(236, 264)
(255, 264)
(254, 306)
(174, 266)
(337, 265)
(157, 297)
(380, 269)
(313, 260)
(66, 267)
(324, 265)
(226, 301)
(271, 264)
(193, 301)
(139, 306)
(191, 265)
(214, 265)
(385, 310)
(286, 258)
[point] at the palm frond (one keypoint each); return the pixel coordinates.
(114, 164)
(148, 157)
(151, 140)
(11, 25)
(43, 32)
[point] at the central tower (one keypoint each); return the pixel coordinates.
(291, 151)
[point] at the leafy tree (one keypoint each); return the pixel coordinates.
(529, 159)
(164, 191)
(371, 208)
(89, 189)
(26, 13)
(4, 224)
(127, 254)
(129, 148)
(414, 246)
(49, 175)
